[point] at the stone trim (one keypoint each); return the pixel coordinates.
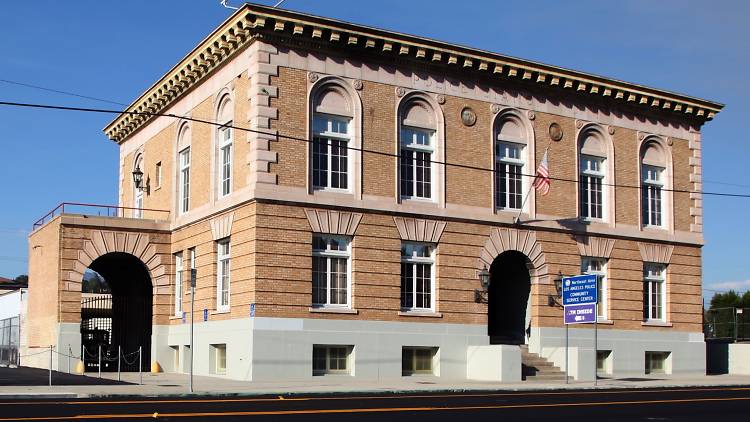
(103, 242)
(419, 230)
(221, 227)
(260, 114)
(333, 222)
(696, 181)
(507, 239)
(651, 252)
(595, 247)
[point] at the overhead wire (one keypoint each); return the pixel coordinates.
(306, 140)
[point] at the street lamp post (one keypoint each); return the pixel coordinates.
(193, 276)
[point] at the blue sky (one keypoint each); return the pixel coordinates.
(114, 50)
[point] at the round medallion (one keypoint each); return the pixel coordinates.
(531, 115)
(555, 132)
(441, 99)
(495, 108)
(611, 130)
(312, 77)
(357, 84)
(468, 117)
(579, 123)
(400, 91)
(670, 142)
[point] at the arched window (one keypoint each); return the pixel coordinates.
(332, 132)
(183, 169)
(592, 175)
(653, 181)
(510, 159)
(137, 191)
(224, 139)
(417, 133)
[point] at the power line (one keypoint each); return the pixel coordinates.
(60, 92)
(294, 138)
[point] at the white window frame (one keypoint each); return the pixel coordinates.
(225, 159)
(586, 176)
(158, 175)
(650, 279)
(506, 161)
(598, 267)
(328, 254)
(415, 260)
(412, 145)
(183, 187)
(326, 349)
(223, 275)
(219, 357)
(648, 183)
(138, 192)
(329, 134)
(178, 283)
(413, 370)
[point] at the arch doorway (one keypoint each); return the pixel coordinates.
(508, 298)
(116, 312)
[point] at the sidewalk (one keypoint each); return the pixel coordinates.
(165, 384)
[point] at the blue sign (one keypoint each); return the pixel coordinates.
(252, 310)
(183, 316)
(579, 290)
(580, 314)
(205, 315)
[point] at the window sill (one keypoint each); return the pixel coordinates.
(324, 310)
(219, 311)
(605, 321)
(656, 324)
(174, 318)
(415, 200)
(653, 228)
(426, 314)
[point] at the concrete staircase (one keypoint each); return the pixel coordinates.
(536, 368)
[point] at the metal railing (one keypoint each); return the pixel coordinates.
(727, 324)
(98, 210)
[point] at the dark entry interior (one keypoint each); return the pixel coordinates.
(122, 320)
(510, 284)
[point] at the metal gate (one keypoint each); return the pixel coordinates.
(96, 332)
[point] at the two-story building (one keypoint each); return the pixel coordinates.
(340, 190)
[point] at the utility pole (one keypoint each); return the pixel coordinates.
(193, 276)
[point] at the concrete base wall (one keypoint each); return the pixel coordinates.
(739, 359)
(493, 363)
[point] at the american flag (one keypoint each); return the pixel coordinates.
(541, 181)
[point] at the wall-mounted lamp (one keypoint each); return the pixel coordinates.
(138, 179)
(557, 298)
(480, 296)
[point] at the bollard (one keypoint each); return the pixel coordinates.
(100, 361)
(83, 359)
(70, 352)
(140, 364)
(50, 365)
(119, 352)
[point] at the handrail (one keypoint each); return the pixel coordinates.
(112, 211)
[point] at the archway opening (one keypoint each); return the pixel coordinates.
(508, 295)
(116, 313)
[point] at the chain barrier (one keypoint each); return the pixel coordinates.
(34, 354)
(124, 358)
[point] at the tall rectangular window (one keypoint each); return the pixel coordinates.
(416, 162)
(598, 267)
(508, 175)
(225, 155)
(591, 181)
(178, 288)
(222, 275)
(330, 271)
(158, 174)
(651, 195)
(184, 185)
(654, 294)
(330, 153)
(417, 277)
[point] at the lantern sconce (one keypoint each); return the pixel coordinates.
(480, 296)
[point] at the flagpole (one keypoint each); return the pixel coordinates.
(531, 186)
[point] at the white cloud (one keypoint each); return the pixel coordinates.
(740, 286)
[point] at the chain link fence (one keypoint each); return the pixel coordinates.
(729, 324)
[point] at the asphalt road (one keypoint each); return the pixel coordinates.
(676, 404)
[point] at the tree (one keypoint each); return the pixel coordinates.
(23, 278)
(729, 299)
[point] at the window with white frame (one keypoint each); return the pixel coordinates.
(591, 184)
(330, 153)
(138, 192)
(418, 360)
(330, 270)
(225, 159)
(218, 356)
(651, 195)
(598, 267)
(331, 359)
(416, 162)
(654, 292)
(223, 275)
(158, 174)
(509, 164)
(184, 182)
(417, 277)
(178, 284)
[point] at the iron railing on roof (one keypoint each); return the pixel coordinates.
(102, 211)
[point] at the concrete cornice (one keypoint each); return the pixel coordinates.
(253, 20)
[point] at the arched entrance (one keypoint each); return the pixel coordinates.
(508, 296)
(119, 316)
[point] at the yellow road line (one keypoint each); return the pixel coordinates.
(372, 410)
(393, 397)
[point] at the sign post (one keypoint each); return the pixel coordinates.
(580, 306)
(193, 276)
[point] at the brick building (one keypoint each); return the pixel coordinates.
(338, 189)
